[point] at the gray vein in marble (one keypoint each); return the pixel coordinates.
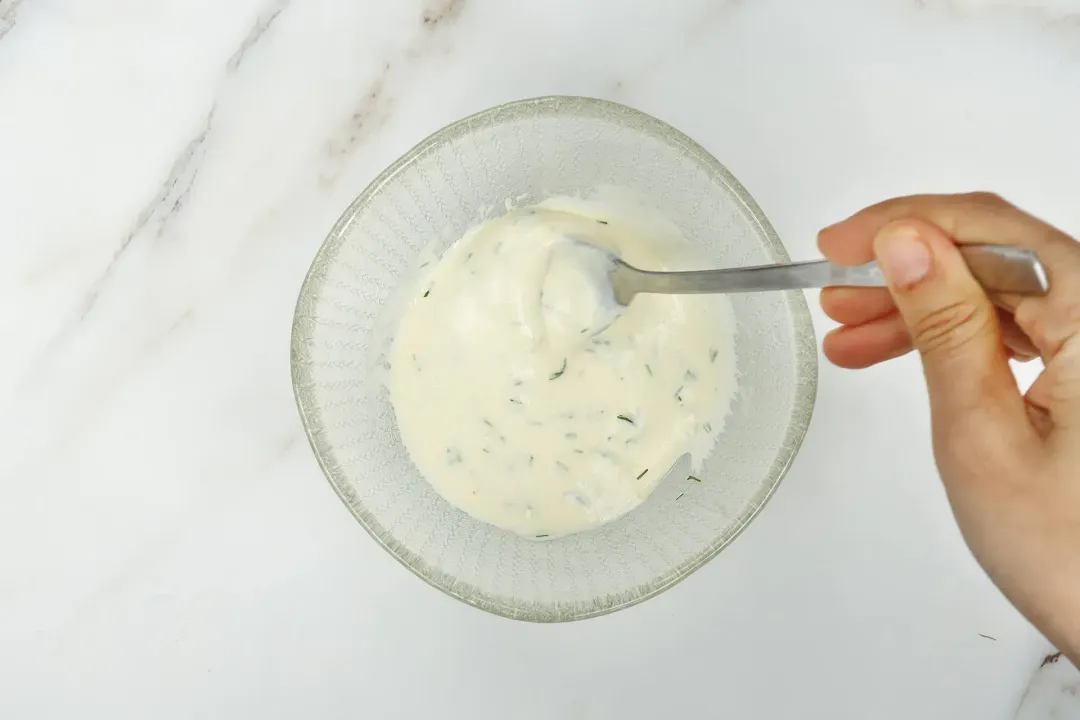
(262, 24)
(8, 10)
(156, 215)
(375, 107)
(1050, 15)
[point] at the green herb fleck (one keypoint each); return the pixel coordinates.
(601, 341)
(561, 465)
(559, 374)
(488, 423)
(624, 418)
(713, 352)
(485, 451)
(602, 222)
(571, 436)
(707, 427)
(516, 401)
(578, 451)
(678, 393)
(679, 495)
(648, 369)
(453, 456)
(695, 479)
(642, 474)
(531, 458)
(426, 293)
(689, 376)
(541, 536)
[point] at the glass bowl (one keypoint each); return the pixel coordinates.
(525, 152)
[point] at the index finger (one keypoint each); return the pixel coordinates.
(969, 218)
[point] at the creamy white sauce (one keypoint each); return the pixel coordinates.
(521, 396)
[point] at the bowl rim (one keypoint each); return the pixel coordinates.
(805, 347)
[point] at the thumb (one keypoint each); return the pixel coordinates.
(952, 322)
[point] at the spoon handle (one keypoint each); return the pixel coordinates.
(998, 268)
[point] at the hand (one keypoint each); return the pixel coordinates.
(1010, 463)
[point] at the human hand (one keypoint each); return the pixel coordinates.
(1010, 463)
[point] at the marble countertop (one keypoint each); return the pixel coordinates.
(167, 171)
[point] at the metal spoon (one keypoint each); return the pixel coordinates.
(998, 268)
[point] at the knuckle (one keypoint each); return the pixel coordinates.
(951, 328)
(987, 199)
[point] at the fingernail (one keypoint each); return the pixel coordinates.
(904, 258)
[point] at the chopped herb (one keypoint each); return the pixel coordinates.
(516, 401)
(624, 418)
(642, 474)
(561, 465)
(713, 352)
(488, 423)
(707, 427)
(648, 369)
(468, 257)
(502, 438)
(531, 458)
(485, 451)
(453, 456)
(988, 637)
(583, 330)
(678, 393)
(695, 479)
(578, 452)
(425, 263)
(601, 341)
(518, 383)
(426, 293)
(559, 374)
(541, 536)
(689, 376)
(571, 436)
(679, 495)
(602, 222)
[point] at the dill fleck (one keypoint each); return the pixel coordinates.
(559, 374)
(624, 418)
(642, 474)
(531, 458)
(648, 369)
(516, 401)
(679, 495)
(689, 375)
(583, 330)
(519, 383)
(488, 423)
(426, 293)
(695, 479)
(602, 222)
(561, 465)
(578, 451)
(502, 438)
(707, 427)
(571, 436)
(453, 456)
(468, 257)
(713, 352)
(601, 341)
(678, 393)
(541, 536)
(485, 451)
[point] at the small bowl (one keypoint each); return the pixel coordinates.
(525, 152)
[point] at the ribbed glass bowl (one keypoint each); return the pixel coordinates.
(527, 151)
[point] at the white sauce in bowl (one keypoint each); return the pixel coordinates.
(525, 401)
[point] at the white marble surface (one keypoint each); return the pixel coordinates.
(168, 169)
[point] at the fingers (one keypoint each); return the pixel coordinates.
(857, 347)
(951, 321)
(855, 306)
(970, 218)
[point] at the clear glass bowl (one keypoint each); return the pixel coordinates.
(527, 151)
